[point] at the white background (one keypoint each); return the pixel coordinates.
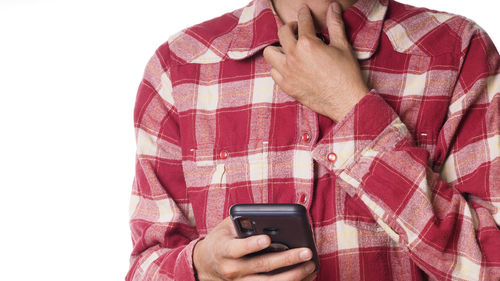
(69, 72)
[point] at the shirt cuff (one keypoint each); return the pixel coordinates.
(184, 269)
(370, 127)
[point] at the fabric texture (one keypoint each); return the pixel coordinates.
(405, 187)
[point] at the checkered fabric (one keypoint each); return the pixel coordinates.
(405, 187)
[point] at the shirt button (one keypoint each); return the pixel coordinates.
(303, 198)
(306, 137)
(332, 157)
(223, 154)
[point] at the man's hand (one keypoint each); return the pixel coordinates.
(221, 256)
(325, 78)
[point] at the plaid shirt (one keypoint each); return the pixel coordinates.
(405, 187)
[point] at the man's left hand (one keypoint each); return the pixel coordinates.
(325, 78)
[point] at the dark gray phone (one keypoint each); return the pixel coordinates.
(286, 224)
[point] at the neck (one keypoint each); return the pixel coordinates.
(287, 9)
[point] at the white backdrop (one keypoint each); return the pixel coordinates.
(69, 72)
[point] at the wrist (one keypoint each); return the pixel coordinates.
(197, 264)
(348, 104)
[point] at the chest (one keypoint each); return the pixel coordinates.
(244, 140)
(231, 103)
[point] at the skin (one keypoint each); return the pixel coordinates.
(325, 78)
(288, 10)
(220, 256)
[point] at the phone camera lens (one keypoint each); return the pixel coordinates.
(271, 230)
(246, 226)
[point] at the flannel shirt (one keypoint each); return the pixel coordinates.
(405, 187)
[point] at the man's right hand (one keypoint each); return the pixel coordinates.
(221, 256)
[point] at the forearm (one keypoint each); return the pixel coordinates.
(158, 263)
(391, 176)
(161, 221)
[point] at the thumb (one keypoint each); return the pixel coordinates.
(335, 24)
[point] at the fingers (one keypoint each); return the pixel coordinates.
(272, 261)
(275, 57)
(311, 277)
(277, 77)
(228, 227)
(287, 36)
(298, 273)
(335, 24)
(237, 248)
(305, 22)
(233, 263)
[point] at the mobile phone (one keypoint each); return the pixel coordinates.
(286, 224)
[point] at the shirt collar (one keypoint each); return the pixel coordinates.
(258, 27)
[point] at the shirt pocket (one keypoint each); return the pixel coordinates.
(227, 166)
(219, 176)
(202, 168)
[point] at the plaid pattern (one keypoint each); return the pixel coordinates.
(414, 192)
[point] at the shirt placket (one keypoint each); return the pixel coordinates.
(307, 130)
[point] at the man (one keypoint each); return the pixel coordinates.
(380, 118)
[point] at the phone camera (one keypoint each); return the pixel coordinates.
(246, 226)
(271, 230)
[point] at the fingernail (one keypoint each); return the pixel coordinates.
(305, 255)
(336, 8)
(310, 267)
(262, 242)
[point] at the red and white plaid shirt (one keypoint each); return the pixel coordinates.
(405, 187)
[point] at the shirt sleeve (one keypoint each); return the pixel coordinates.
(446, 215)
(161, 217)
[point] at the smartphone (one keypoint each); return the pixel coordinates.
(286, 224)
